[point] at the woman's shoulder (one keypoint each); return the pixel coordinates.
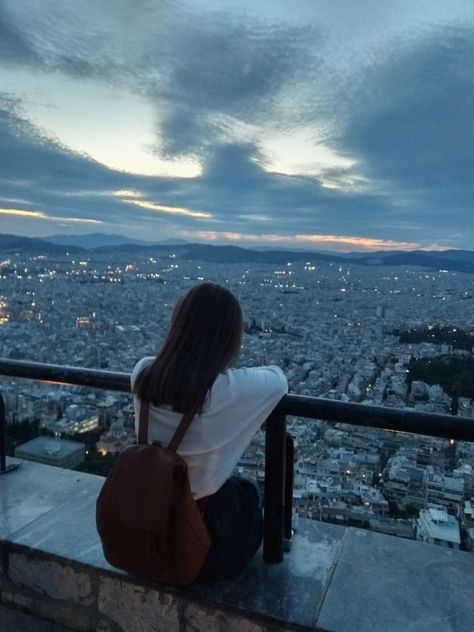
(250, 380)
(255, 373)
(248, 392)
(139, 366)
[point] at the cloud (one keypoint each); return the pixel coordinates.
(333, 242)
(48, 177)
(234, 190)
(38, 172)
(77, 40)
(411, 125)
(234, 183)
(172, 210)
(42, 216)
(382, 138)
(14, 45)
(33, 155)
(222, 69)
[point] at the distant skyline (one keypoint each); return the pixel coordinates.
(333, 125)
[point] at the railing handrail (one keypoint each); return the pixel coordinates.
(66, 375)
(383, 417)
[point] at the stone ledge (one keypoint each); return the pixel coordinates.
(54, 567)
(335, 579)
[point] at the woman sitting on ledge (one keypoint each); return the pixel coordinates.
(193, 372)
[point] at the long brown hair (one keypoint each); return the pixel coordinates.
(203, 340)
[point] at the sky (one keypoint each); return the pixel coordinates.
(331, 125)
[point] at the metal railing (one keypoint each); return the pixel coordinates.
(278, 445)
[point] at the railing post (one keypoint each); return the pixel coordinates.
(274, 509)
(3, 441)
(289, 479)
(3, 430)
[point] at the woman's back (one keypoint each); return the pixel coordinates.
(192, 374)
(239, 402)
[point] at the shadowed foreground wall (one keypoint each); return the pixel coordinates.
(335, 579)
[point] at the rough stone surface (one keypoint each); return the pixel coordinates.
(136, 608)
(66, 613)
(197, 618)
(58, 581)
(387, 583)
(289, 592)
(15, 621)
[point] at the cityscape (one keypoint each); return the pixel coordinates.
(381, 335)
(315, 158)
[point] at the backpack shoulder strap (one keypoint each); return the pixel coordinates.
(143, 423)
(179, 432)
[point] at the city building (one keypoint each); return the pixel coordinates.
(436, 526)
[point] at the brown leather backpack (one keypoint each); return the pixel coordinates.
(147, 519)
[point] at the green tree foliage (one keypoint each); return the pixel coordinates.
(21, 432)
(455, 375)
(457, 338)
(97, 463)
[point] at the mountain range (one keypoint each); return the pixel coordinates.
(96, 243)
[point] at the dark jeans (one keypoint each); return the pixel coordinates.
(234, 519)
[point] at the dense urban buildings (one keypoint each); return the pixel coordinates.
(347, 332)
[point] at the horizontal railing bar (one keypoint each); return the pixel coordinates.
(396, 419)
(383, 417)
(62, 374)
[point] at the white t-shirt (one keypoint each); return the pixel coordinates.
(239, 402)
